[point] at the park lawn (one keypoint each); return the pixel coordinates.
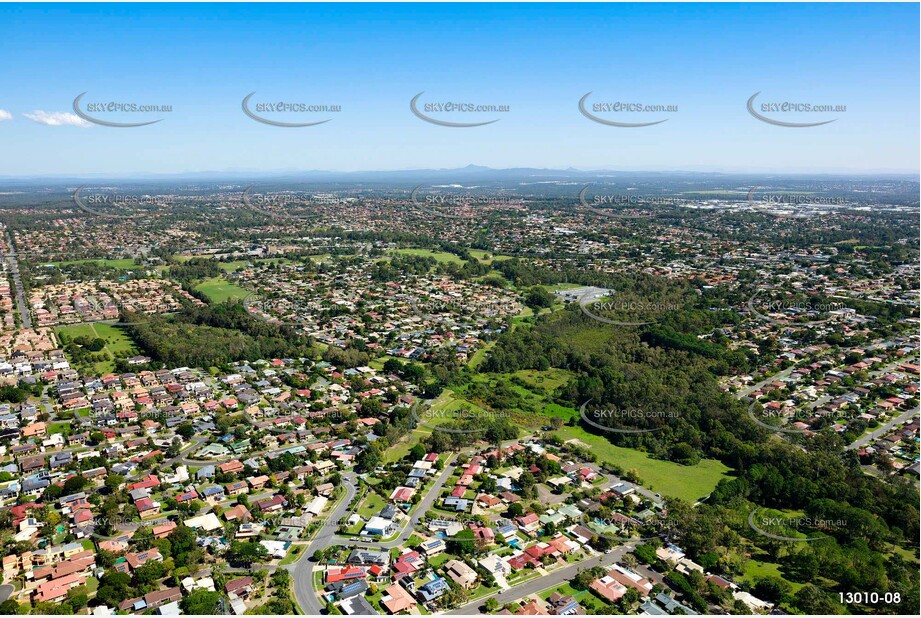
(556, 287)
(378, 363)
(118, 343)
(556, 410)
(439, 412)
(480, 255)
(689, 483)
(122, 264)
(218, 289)
(758, 568)
(442, 257)
(549, 380)
(480, 355)
(371, 505)
(401, 449)
(446, 403)
(229, 267)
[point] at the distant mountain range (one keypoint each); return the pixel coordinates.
(468, 174)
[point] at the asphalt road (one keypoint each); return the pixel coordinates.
(882, 430)
(554, 578)
(24, 314)
(302, 570)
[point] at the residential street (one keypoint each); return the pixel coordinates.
(302, 570)
(882, 429)
(548, 581)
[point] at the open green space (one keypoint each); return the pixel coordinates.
(689, 483)
(118, 343)
(480, 355)
(121, 264)
(442, 257)
(371, 505)
(550, 380)
(754, 569)
(401, 449)
(58, 428)
(481, 256)
(218, 289)
(293, 554)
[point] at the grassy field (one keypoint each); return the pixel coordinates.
(229, 267)
(481, 256)
(219, 289)
(118, 344)
(480, 355)
(445, 403)
(58, 428)
(667, 478)
(550, 380)
(371, 505)
(442, 257)
(757, 568)
(401, 449)
(123, 264)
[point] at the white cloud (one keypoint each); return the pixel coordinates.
(5, 115)
(56, 119)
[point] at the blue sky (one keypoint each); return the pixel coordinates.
(539, 59)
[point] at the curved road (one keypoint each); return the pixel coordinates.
(302, 570)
